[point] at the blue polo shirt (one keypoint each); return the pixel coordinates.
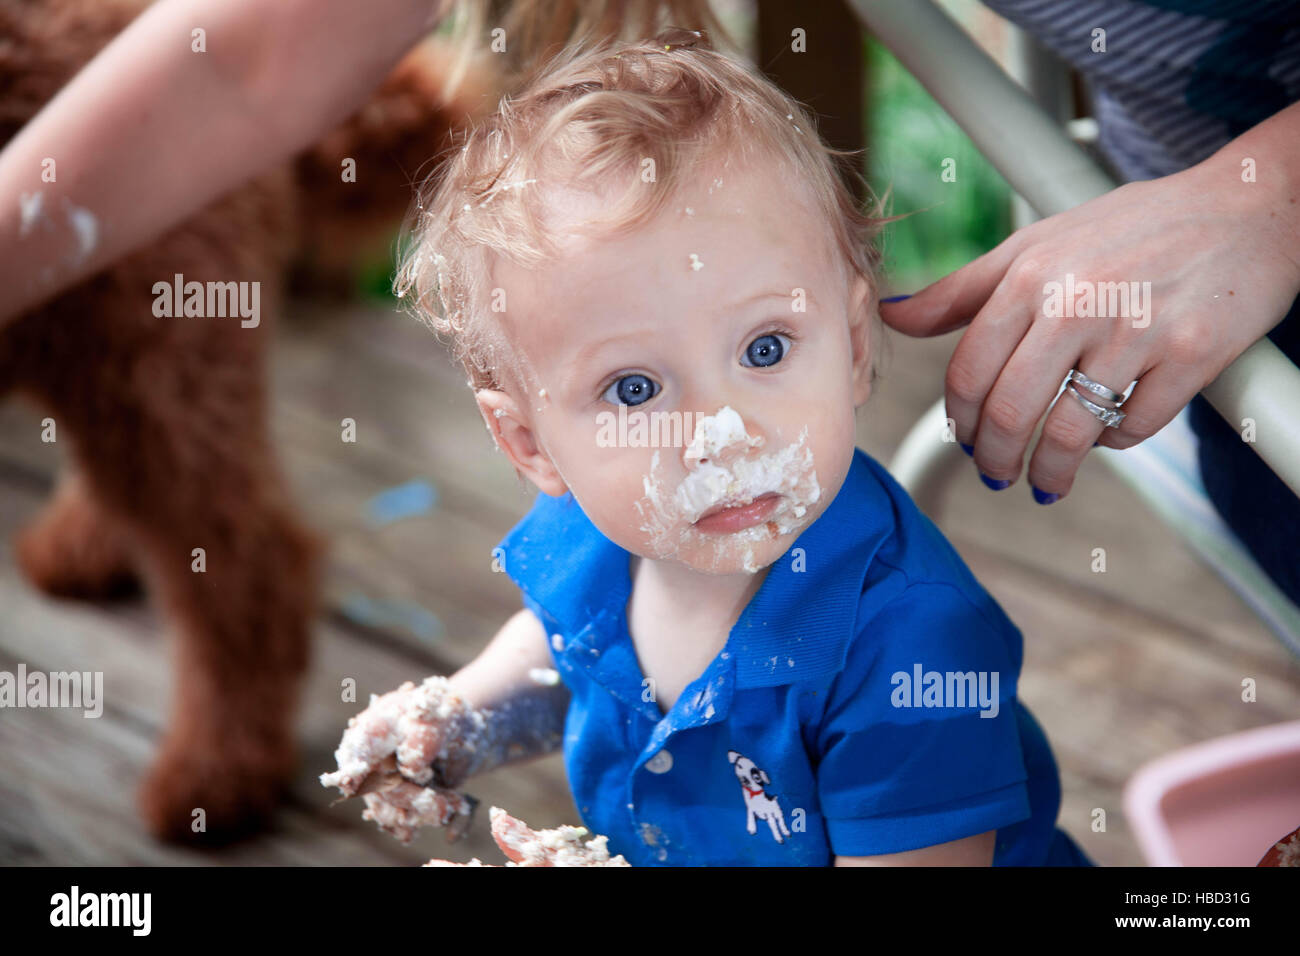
(829, 725)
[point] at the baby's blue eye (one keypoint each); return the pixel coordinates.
(766, 350)
(631, 390)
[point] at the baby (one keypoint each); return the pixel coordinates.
(752, 646)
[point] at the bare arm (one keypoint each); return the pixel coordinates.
(971, 851)
(151, 131)
(525, 718)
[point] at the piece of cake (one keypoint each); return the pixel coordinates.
(524, 846)
(1286, 852)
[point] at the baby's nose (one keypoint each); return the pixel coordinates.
(719, 439)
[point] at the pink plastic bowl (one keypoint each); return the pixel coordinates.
(1224, 802)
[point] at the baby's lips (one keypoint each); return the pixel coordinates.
(734, 502)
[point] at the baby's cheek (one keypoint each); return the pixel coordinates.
(611, 496)
(832, 433)
(626, 509)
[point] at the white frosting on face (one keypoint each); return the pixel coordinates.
(720, 474)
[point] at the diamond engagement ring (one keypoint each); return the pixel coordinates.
(1110, 417)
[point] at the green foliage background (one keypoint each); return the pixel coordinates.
(908, 137)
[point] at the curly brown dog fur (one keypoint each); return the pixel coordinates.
(167, 419)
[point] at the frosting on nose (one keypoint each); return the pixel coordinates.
(719, 438)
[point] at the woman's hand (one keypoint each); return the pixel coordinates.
(1215, 263)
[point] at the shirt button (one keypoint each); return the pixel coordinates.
(661, 762)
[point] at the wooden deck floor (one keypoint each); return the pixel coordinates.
(1119, 667)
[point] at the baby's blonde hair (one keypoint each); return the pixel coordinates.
(592, 116)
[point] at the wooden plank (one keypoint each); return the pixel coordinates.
(1080, 795)
(1114, 687)
(1148, 566)
(415, 420)
(68, 794)
(58, 756)
(109, 755)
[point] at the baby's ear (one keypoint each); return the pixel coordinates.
(862, 338)
(510, 429)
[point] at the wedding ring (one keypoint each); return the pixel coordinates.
(1096, 388)
(1110, 417)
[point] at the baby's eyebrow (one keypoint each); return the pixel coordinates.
(588, 352)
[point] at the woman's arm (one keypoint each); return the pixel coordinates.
(1213, 253)
(151, 131)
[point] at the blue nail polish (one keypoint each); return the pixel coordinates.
(968, 449)
(994, 483)
(1044, 497)
(896, 298)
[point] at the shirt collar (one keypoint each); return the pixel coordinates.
(796, 627)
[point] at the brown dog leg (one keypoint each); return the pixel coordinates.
(242, 647)
(170, 433)
(74, 550)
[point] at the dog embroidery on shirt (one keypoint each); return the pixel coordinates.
(758, 804)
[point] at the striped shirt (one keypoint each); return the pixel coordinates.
(1178, 79)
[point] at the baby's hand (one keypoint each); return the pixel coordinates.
(404, 740)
